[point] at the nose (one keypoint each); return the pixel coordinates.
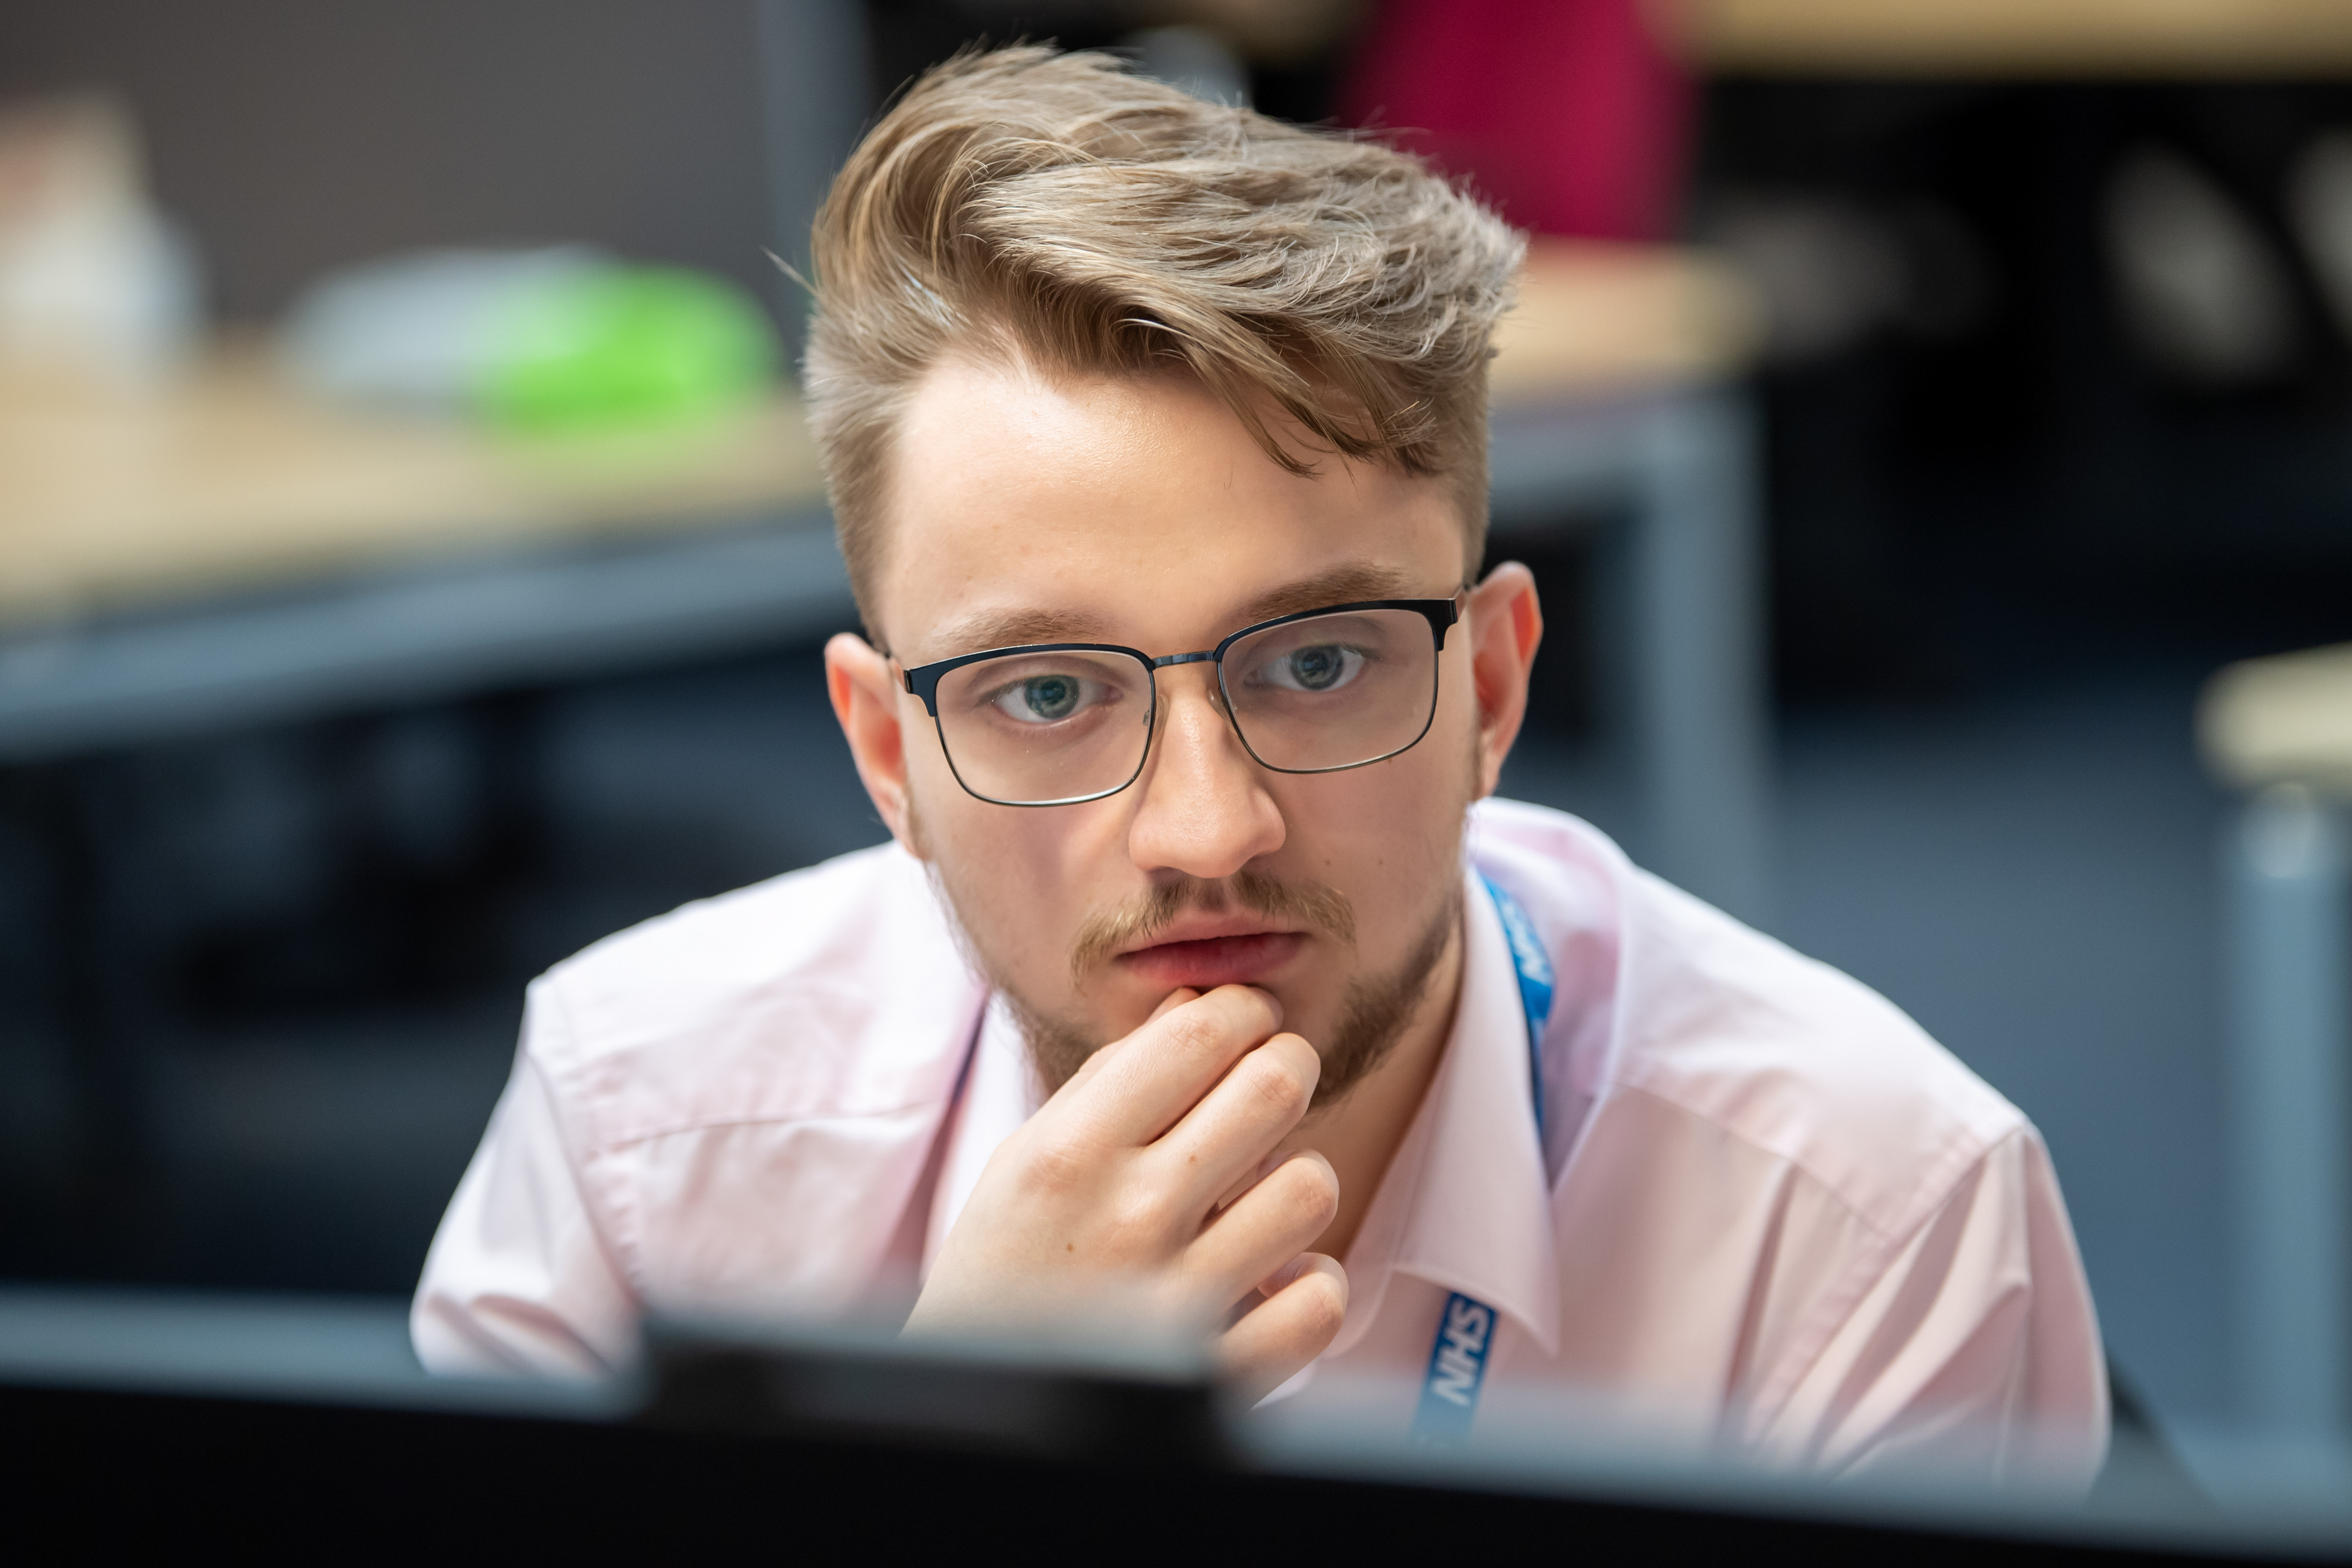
(1203, 809)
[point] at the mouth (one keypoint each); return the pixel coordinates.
(1212, 958)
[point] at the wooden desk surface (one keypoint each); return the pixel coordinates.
(2198, 38)
(228, 477)
(1594, 319)
(231, 479)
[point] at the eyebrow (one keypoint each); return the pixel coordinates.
(986, 630)
(1341, 586)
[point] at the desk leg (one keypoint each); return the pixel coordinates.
(110, 1186)
(1699, 664)
(2288, 943)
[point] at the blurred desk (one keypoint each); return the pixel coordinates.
(2282, 729)
(225, 553)
(1617, 395)
(2022, 38)
(229, 478)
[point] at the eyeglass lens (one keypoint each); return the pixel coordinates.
(1330, 691)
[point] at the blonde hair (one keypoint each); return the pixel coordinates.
(1086, 220)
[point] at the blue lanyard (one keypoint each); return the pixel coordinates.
(1466, 1329)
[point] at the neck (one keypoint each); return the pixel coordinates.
(1360, 1132)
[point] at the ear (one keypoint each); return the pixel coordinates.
(866, 701)
(1505, 626)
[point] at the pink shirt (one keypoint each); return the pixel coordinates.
(1765, 1209)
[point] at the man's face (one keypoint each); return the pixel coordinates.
(1138, 512)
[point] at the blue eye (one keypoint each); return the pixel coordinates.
(1051, 696)
(1046, 699)
(1319, 666)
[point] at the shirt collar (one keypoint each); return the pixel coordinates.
(1000, 1092)
(1464, 1204)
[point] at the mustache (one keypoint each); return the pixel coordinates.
(1136, 922)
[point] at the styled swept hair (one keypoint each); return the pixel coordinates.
(1060, 211)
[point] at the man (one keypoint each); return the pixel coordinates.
(1199, 969)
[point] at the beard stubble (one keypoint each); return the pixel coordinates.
(1376, 1011)
(1376, 1008)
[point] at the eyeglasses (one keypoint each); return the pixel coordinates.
(1317, 693)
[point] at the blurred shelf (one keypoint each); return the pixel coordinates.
(2190, 38)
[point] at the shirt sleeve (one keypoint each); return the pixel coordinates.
(519, 1281)
(1974, 1351)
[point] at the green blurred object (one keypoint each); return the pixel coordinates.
(623, 346)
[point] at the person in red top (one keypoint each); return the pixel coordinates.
(1571, 116)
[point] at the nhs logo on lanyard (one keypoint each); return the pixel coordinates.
(1465, 1329)
(1457, 1369)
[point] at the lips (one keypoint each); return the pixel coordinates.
(1245, 959)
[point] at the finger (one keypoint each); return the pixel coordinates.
(1220, 1141)
(1231, 1195)
(1297, 1322)
(1266, 1227)
(1102, 1056)
(1174, 999)
(1161, 1070)
(1088, 1071)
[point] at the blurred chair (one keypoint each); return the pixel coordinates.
(2282, 729)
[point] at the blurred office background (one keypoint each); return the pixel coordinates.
(2054, 389)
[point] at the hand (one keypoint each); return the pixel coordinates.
(1148, 1174)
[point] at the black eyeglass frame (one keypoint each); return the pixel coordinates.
(923, 681)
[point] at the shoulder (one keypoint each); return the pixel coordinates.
(1727, 1026)
(836, 991)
